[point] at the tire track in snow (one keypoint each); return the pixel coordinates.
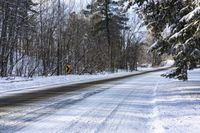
(104, 110)
(111, 114)
(34, 115)
(135, 113)
(156, 123)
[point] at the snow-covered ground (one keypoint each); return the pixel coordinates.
(168, 62)
(10, 86)
(143, 104)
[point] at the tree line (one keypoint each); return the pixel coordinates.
(40, 38)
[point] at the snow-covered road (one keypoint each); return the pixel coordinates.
(140, 104)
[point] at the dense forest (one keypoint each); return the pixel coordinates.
(41, 37)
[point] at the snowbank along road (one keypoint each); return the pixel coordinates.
(142, 104)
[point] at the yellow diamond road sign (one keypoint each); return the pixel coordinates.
(68, 68)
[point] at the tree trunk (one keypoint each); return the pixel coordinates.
(4, 43)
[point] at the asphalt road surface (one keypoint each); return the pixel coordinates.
(139, 104)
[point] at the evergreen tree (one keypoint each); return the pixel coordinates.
(109, 20)
(183, 20)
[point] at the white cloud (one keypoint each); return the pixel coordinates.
(78, 4)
